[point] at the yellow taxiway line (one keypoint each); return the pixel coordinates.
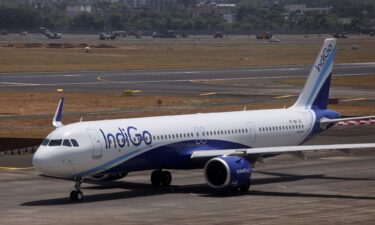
(208, 93)
(284, 96)
(15, 168)
(353, 99)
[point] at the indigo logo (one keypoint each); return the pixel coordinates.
(126, 137)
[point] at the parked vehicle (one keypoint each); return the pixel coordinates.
(219, 35)
(264, 35)
(339, 35)
(107, 36)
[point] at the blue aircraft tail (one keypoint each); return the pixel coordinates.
(316, 90)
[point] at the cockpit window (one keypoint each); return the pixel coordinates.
(66, 142)
(56, 142)
(45, 142)
(74, 142)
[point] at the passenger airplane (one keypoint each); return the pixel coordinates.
(226, 145)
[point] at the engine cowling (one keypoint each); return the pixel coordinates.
(228, 172)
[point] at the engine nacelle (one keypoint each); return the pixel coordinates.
(228, 172)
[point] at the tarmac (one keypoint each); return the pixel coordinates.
(328, 188)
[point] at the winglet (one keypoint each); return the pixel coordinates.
(58, 115)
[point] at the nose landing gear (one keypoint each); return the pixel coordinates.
(77, 195)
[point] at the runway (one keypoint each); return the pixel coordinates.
(185, 82)
(328, 188)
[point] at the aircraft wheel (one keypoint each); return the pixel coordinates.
(72, 195)
(79, 196)
(166, 178)
(246, 187)
(156, 178)
(76, 196)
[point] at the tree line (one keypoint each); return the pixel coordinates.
(251, 16)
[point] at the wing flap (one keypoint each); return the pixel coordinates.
(277, 150)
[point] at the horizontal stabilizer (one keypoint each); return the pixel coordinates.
(328, 121)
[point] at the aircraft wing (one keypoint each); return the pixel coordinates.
(277, 150)
(328, 121)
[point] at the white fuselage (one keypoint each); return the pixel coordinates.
(105, 144)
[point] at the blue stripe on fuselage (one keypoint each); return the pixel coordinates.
(177, 154)
(109, 164)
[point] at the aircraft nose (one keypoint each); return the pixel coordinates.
(42, 160)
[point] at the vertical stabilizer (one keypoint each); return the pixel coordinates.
(56, 122)
(316, 90)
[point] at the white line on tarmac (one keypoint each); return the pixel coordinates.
(172, 81)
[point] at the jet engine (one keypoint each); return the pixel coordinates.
(228, 172)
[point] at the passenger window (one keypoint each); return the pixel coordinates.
(74, 142)
(55, 142)
(45, 142)
(66, 142)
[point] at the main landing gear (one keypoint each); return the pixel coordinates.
(161, 178)
(77, 195)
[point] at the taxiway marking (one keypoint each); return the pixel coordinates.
(284, 96)
(207, 93)
(15, 168)
(354, 99)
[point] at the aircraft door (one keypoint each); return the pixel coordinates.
(198, 134)
(201, 135)
(96, 144)
(252, 132)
